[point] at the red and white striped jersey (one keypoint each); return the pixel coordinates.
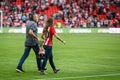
(49, 36)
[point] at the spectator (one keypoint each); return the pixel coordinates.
(24, 18)
(117, 4)
(23, 8)
(54, 2)
(107, 9)
(106, 22)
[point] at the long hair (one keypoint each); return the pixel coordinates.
(49, 23)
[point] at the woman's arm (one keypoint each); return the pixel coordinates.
(58, 37)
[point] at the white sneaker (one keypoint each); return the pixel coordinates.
(56, 70)
(43, 72)
(19, 70)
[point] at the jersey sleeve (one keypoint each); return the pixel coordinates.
(33, 27)
(53, 30)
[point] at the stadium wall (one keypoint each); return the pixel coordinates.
(67, 30)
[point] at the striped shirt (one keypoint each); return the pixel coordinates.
(49, 36)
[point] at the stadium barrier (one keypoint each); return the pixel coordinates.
(67, 30)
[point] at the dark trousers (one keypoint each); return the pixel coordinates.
(26, 54)
(48, 55)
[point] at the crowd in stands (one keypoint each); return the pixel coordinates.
(69, 13)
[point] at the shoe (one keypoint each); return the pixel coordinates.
(43, 72)
(19, 70)
(40, 69)
(56, 70)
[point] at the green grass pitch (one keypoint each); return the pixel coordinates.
(84, 57)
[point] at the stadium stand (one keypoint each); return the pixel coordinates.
(70, 13)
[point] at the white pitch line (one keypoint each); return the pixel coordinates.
(78, 77)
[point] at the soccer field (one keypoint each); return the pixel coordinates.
(84, 57)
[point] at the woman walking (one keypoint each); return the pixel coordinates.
(47, 35)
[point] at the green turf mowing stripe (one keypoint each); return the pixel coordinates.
(78, 77)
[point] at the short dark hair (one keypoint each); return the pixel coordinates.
(31, 16)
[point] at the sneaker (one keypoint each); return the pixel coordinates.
(39, 70)
(19, 70)
(43, 72)
(56, 70)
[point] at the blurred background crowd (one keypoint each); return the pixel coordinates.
(66, 13)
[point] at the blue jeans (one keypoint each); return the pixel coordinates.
(26, 54)
(48, 55)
